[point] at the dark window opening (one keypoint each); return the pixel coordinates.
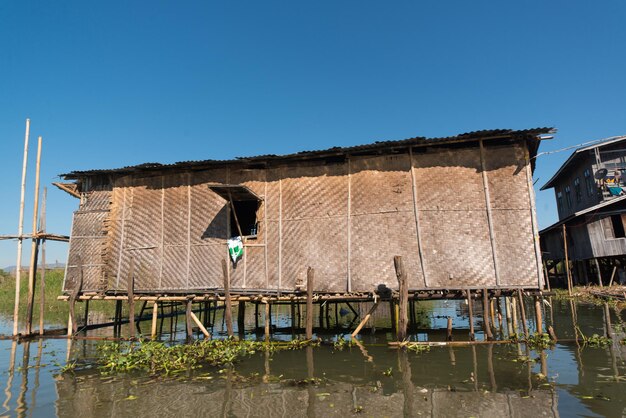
(618, 226)
(244, 211)
(568, 197)
(577, 190)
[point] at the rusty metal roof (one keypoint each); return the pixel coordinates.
(390, 145)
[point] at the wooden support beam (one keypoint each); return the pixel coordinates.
(470, 308)
(492, 239)
(522, 308)
(32, 272)
(188, 320)
(612, 276)
(228, 312)
(131, 298)
(403, 288)
(449, 329)
(310, 273)
(486, 325)
(199, 324)
(42, 285)
(538, 316)
(365, 319)
(598, 272)
(241, 316)
(268, 315)
(567, 270)
(155, 315)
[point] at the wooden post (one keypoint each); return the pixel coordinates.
(199, 324)
(514, 315)
(293, 317)
(607, 321)
(71, 330)
(567, 271)
(228, 313)
(612, 276)
(268, 315)
(256, 316)
(365, 319)
(20, 232)
(310, 273)
(241, 316)
(449, 329)
(538, 316)
(403, 289)
(155, 315)
(546, 275)
(42, 285)
(522, 309)
(470, 309)
(595, 260)
(32, 272)
(131, 298)
(118, 317)
(188, 319)
(486, 325)
(320, 314)
(86, 317)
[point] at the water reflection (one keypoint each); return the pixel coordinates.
(369, 378)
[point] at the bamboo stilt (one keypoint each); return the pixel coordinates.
(20, 232)
(228, 312)
(538, 316)
(155, 315)
(268, 314)
(470, 309)
(522, 309)
(403, 287)
(365, 319)
(199, 324)
(188, 319)
(309, 303)
(449, 329)
(486, 325)
(32, 272)
(42, 285)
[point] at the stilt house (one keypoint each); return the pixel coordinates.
(460, 210)
(590, 191)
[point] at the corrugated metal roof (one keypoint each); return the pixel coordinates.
(312, 154)
(575, 154)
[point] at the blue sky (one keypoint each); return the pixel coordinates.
(113, 83)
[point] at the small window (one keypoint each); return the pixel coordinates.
(568, 197)
(243, 205)
(559, 201)
(589, 183)
(577, 190)
(613, 227)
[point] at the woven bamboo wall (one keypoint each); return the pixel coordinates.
(347, 220)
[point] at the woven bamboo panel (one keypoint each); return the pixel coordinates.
(272, 253)
(381, 184)
(146, 268)
(208, 216)
(236, 273)
(271, 201)
(314, 192)
(457, 249)
(143, 225)
(376, 239)
(449, 180)
(319, 243)
(205, 268)
(176, 210)
(174, 274)
(506, 175)
(515, 248)
(255, 268)
(91, 274)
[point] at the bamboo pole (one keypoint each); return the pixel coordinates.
(241, 316)
(42, 285)
(32, 272)
(538, 316)
(155, 315)
(310, 273)
(228, 312)
(365, 319)
(188, 319)
(199, 324)
(612, 276)
(599, 274)
(268, 316)
(522, 309)
(403, 287)
(20, 232)
(131, 298)
(449, 329)
(567, 272)
(486, 325)
(470, 308)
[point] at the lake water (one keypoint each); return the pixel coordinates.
(373, 380)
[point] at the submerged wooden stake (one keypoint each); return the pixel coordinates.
(403, 288)
(449, 338)
(228, 313)
(310, 273)
(470, 309)
(486, 325)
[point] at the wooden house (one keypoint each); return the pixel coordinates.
(590, 191)
(460, 210)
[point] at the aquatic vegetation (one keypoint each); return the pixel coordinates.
(539, 341)
(418, 348)
(342, 343)
(596, 341)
